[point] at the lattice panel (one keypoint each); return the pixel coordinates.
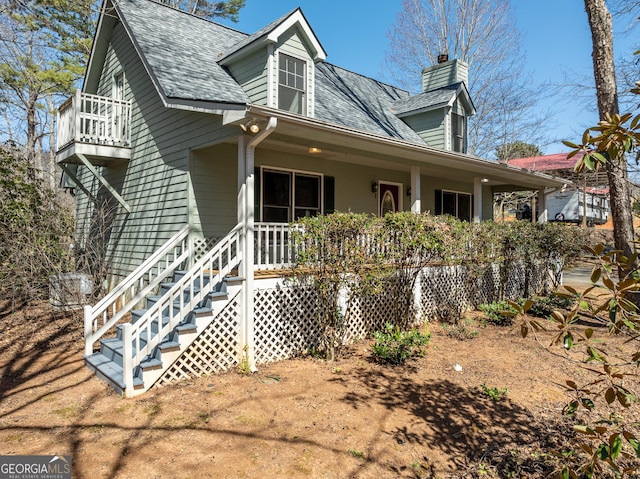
(215, 350)
(488, 285)
(285, 323)
(368, 314)
(203, 245)
(443, 289)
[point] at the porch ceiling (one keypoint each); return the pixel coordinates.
(363, 149)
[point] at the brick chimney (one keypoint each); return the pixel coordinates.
(445, 73)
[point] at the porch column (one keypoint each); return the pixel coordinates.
(242, 268)
(416, 204)
(477, 199)
(542, 206)
(247, 343)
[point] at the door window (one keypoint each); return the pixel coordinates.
(390, 197)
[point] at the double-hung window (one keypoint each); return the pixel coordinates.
(289, 195)
(457, 132)
(292, 85)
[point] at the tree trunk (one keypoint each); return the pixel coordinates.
(32, 135)
(605, 79)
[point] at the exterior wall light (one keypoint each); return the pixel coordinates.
(314, 151)
(251, 126)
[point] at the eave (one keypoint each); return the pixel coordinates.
(351, 144)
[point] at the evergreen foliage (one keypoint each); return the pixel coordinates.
(34, 231)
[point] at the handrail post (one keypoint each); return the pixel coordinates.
(88, 330)
(76, 109)
(127, 359)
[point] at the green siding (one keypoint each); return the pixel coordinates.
(290, 43)
(444, 74)
(458, 107)
(430, 126)
(251, 73)
(155, 182)
(213, 195)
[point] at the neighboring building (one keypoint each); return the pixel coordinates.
(586, 197)
(192, 130)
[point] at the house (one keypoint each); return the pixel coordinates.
(206, 142)
(587, 197)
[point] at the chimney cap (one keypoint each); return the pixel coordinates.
(443, 57)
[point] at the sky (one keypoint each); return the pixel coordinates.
(556, 42)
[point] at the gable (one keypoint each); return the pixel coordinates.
(272, 33)
(166, 40)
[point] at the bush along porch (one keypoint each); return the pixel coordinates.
(332, 279)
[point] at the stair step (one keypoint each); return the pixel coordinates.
(110, 371)
(107, 363)
(165, 287)
(169, 346)
(178, 275)
(153, 363)
(186, 328)
(234, 280)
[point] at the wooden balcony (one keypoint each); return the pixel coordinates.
(96, 127)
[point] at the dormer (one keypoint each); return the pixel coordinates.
(276, 65)
(440, 114)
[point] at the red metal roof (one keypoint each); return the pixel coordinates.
(557, 161)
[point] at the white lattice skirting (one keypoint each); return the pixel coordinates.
(285, 315)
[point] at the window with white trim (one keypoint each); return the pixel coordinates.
(118, 86)
(292, 89)
(288, 195)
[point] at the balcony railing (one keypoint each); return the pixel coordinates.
(93, 119)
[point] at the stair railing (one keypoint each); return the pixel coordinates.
(143, 280)
(179, 301)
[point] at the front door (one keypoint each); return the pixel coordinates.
(389, 197)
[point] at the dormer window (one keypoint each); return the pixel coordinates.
(457, 132)
(291, 84)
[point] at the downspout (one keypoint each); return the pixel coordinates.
(247, 338)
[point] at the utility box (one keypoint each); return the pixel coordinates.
(70, 290)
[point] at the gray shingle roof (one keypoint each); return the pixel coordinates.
(257, 35)
(355, 101)
(182, 50)
(430, 99)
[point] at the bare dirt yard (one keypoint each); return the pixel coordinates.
(301, 418)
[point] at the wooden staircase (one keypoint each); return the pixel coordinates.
(178, 308)
(107, 363)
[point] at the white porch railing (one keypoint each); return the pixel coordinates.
(273, 246)
(142, 281)
(142, 337)
(99, 120)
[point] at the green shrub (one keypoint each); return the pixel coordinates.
(462, 330)
(394, 346)
(495, 394)
(543, 306)
(500, 313)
